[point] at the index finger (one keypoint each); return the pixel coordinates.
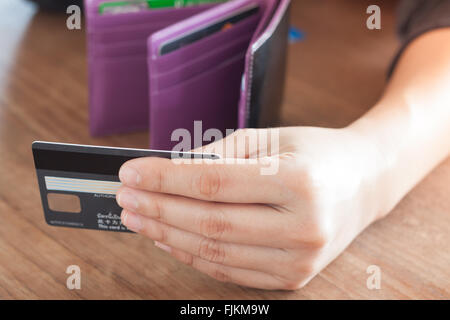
(212, 181)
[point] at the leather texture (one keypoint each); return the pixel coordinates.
(132, 86)
(117, 65)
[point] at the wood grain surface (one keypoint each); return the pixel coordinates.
(334, 75)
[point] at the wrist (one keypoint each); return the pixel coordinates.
(378, 161)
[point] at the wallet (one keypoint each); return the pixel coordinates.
(227, 80)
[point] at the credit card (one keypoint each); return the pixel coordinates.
(78, 183)
(117, 7)
(207, 30)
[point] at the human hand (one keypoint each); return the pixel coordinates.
(265, 231)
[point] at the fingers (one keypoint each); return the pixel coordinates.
(243, 277)
(213, 181)
(240, 256)
(251, 224)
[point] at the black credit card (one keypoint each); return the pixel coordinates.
(204, 31)
(78, 183)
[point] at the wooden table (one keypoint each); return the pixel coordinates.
(334, 76)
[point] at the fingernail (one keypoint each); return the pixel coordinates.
(132, 221)
(163, 247)
(129, 176)
(127, 200)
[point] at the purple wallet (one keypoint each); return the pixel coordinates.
(230, 79)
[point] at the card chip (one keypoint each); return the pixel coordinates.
(60, 202)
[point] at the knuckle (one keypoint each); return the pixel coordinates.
(304, 268)
(293, 285)
(214, 225)
(187, 259)
(209, 183)
(297, 240)
(318, 242)
(294, 236)
(309, 188)
(157, 208)
(159, 181)
(320, 236)
(162, 235)
(309, 234)
(211, 250)
(301, 264)
(220, 274)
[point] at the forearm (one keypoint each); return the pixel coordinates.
(410, 125)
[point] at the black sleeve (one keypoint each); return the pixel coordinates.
(416, 17)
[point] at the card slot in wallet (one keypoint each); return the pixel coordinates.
(119, 92)
(119, 49)
(126, 56)
(161, 81)
(128, 33)
(179, 57)
(210, 98)
(121, 46)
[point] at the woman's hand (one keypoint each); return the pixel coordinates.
(237, 225)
